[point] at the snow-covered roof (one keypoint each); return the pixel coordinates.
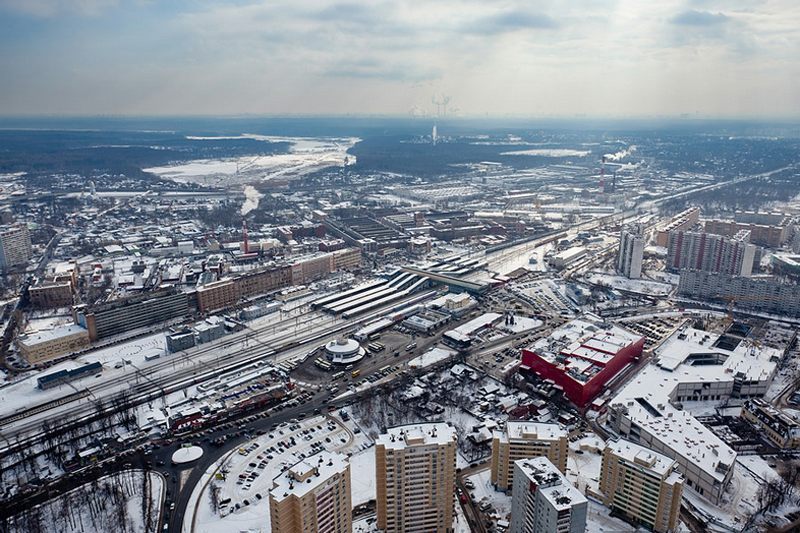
(639, 455)
(308, 474)
(648, 397)
(516, 430)
(551, 484)
(46, 335)
(588, 338)
(400, 437)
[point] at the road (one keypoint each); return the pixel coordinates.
(275, 341)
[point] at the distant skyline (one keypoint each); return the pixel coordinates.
(734, 58)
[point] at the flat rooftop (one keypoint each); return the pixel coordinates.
(584, 346)
(46, 335)
(308, 474)
(690, 356)
(533, 431)
(551, 483)
(400, 437)
(639, 455)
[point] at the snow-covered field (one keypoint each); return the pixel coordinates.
(550, 152)
(113, 503)
(306, 155)
(25, 393)
(641, 286)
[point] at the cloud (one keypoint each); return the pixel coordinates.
(387, 56)
(511, 21)
(699, 18)
(373, 69)
(51, 8)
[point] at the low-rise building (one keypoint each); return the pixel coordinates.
(642, 485)
(582, 356)
(524, 440)
(544, 501)
(692, 365)
(51, 294)
(46, 345)
(781, 429)
(181, 340)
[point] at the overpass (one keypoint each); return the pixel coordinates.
(450, 281)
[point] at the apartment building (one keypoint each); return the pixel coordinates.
(762, 293)
(313, 496)
(711, 253)
(543, 501)
(631, 252)
(415, 469)
(766, 229)
(643, 485)
(15, 245)
(680, 222)
(525, 440)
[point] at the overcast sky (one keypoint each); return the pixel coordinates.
(535, 57)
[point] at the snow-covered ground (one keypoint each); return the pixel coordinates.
(114, 503)
(484, 491)
(25, 393)
(583, 462)
(305, 155)
(362, 476)
(330, 432)
(598, 520)
(431, 357)
(640, 286)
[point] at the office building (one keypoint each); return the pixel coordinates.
(711, 253)
(525, 440)
(630, 253)
(415, 469)
(543, 501)
(15, 246)
(50, 344)
(313, 496)
(643, 485)
(123, 315)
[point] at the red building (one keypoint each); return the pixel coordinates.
(582, 356)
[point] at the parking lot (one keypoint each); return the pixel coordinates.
(243, 479)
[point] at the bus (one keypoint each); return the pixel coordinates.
(322, 363)
(337, 375)
(375, 347)
(355, 373)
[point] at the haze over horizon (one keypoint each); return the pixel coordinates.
(608, 58)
